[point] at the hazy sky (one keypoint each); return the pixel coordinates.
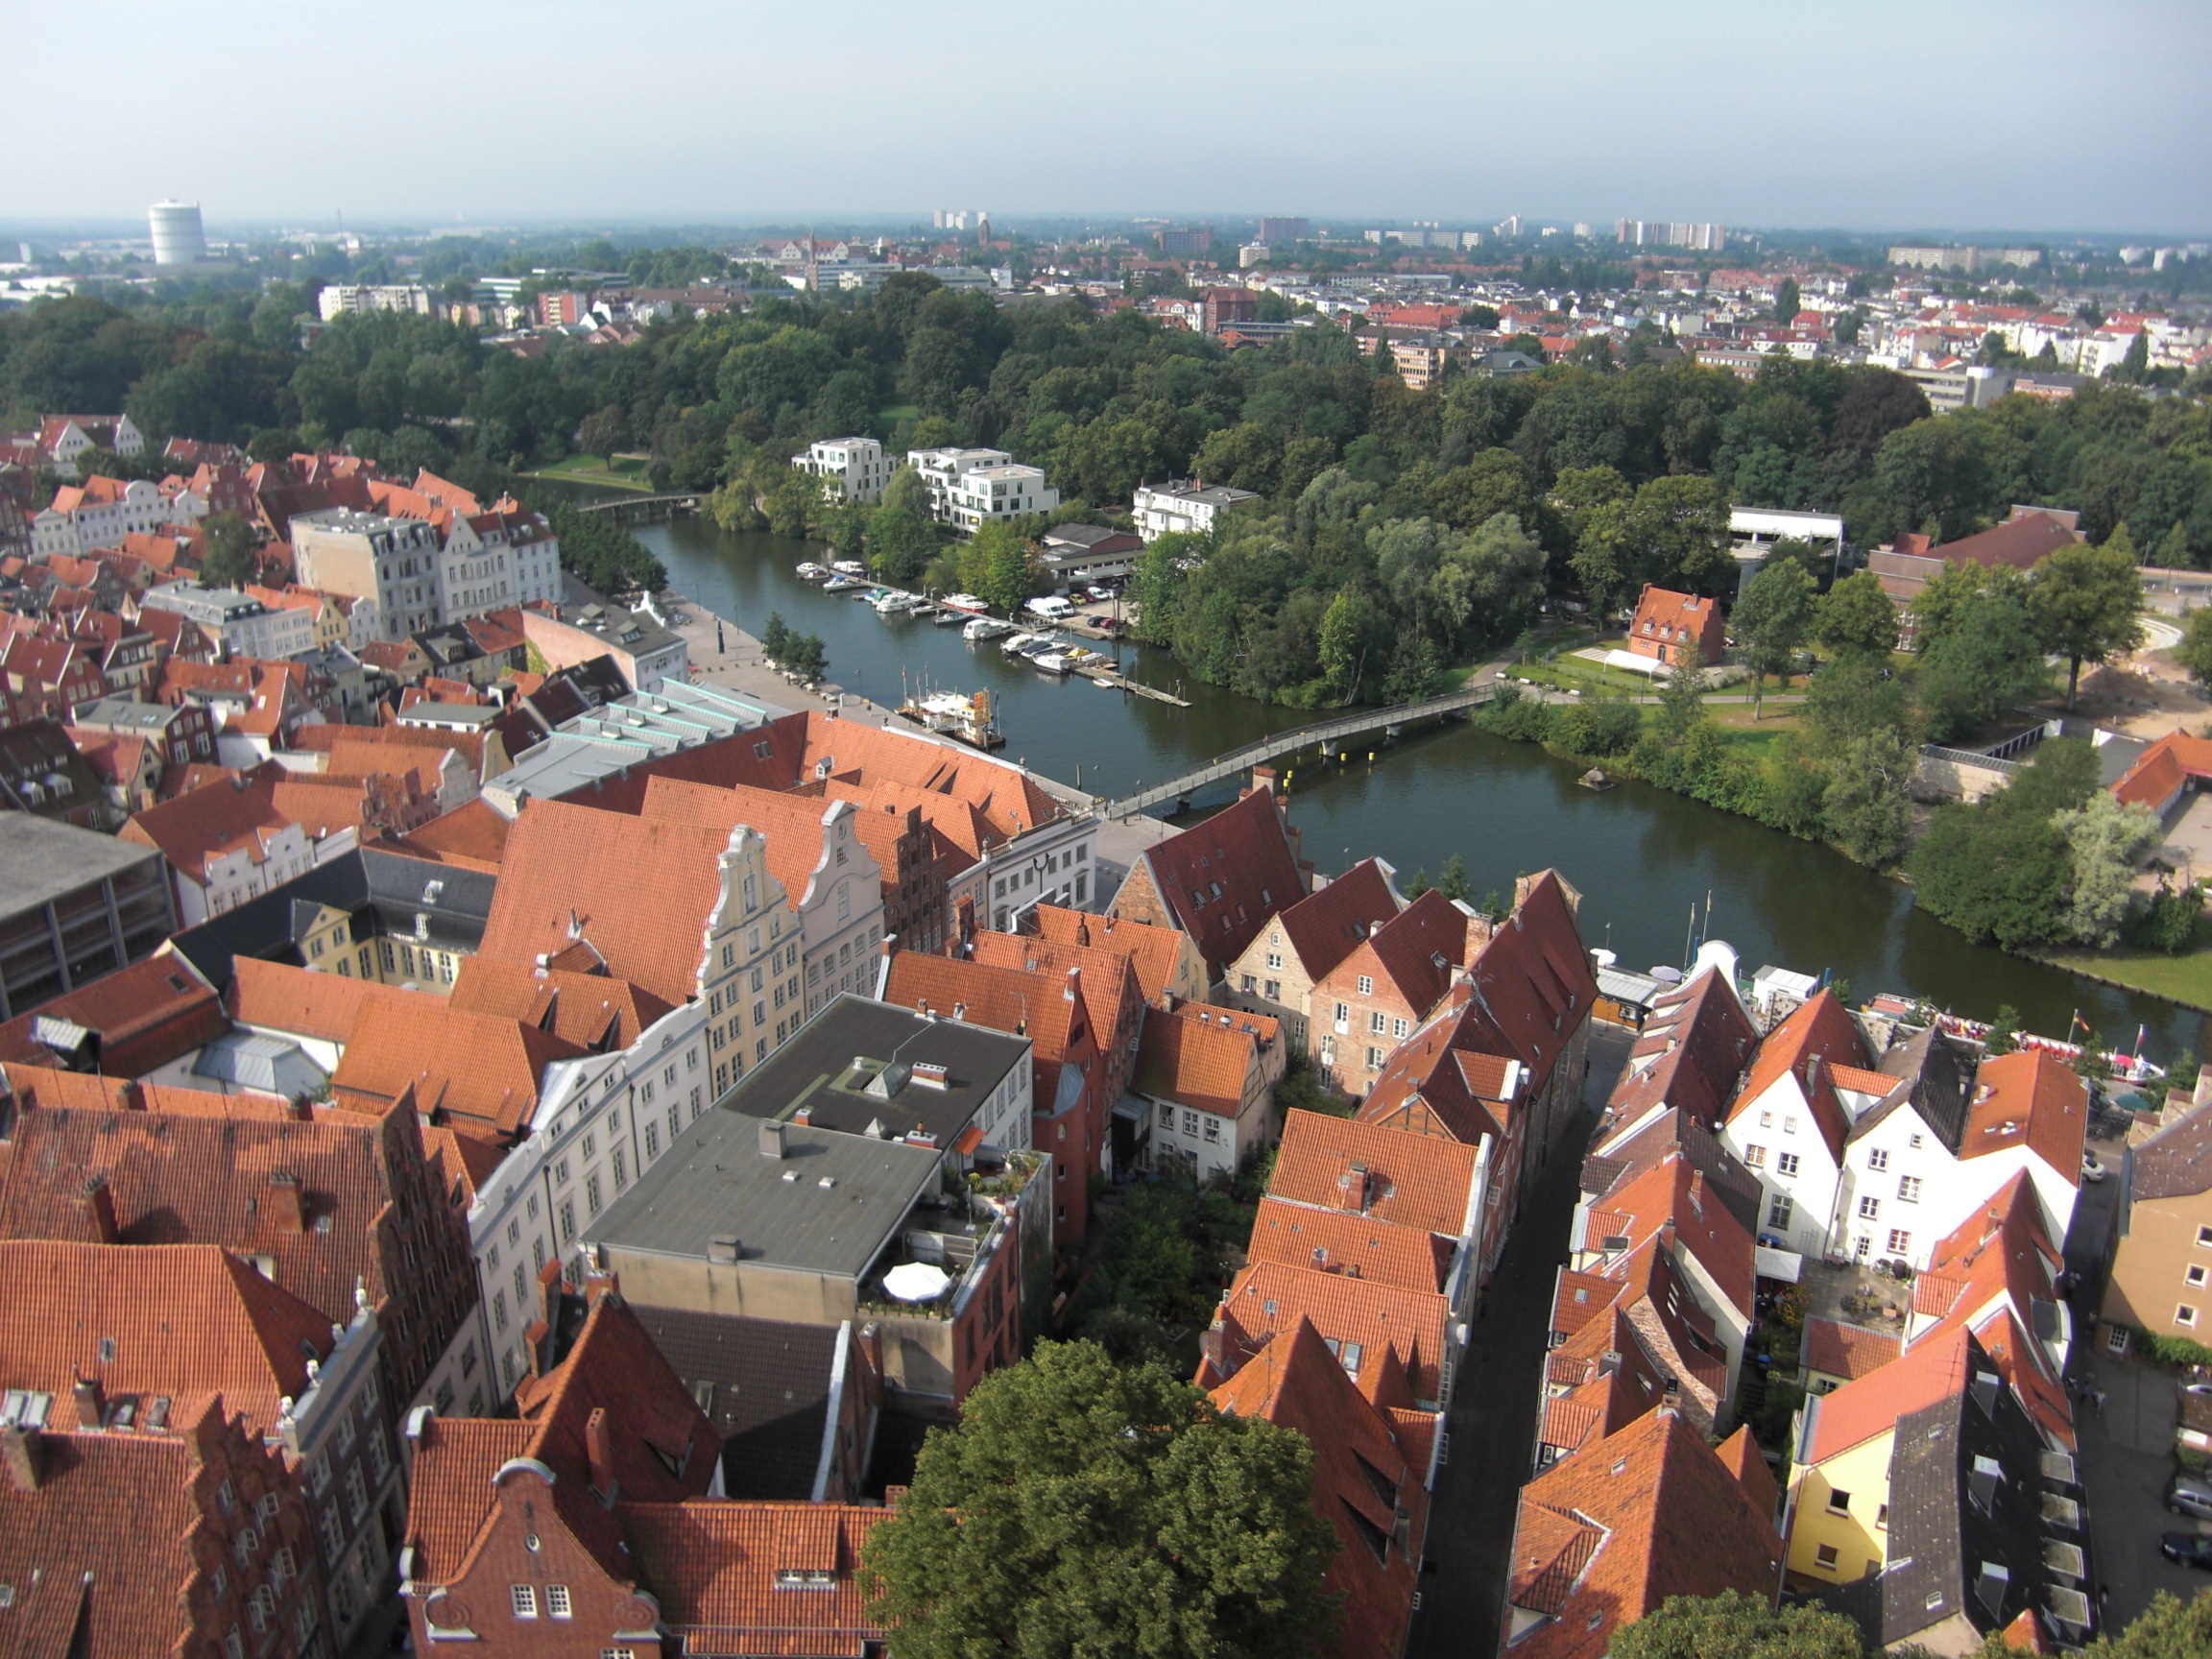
(2044, 114)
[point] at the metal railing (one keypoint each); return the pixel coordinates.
(1284, 743)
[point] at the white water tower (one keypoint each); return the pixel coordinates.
(177, 237)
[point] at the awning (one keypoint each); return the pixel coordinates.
(971, 1137)
(1782, 1264)
(916, 1282)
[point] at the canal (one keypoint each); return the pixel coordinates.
(1643, 857)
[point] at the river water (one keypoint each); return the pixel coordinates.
(1642, 858)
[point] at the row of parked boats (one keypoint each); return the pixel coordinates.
(1048, 652)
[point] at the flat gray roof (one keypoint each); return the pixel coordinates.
(40, 862)
(814, 1073)
(827, 1205)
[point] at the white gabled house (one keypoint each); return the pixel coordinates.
(1788, 1123)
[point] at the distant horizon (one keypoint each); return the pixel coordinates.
(110, 226)
(2083, 113)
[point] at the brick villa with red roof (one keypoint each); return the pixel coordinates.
(1665, 621)
(1390, 981)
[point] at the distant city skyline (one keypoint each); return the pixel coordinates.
(1870, 114)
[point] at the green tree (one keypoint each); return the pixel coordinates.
(1453, 883)
(1864, 806)
(774, 636)
(2104, 840)
(1355, 644)
(604, 431)
(2085, 601)
(1771, 621)
(1682, 699)
(805, 655)
(2003, 1032)
(1787, 300)
(1856, 615)
(1979, 652)
(229, 561)
(907, 490)
(1733, 1625)
(2169, 1629)
(2195, 651)
(1084, 1509)
(1681, 525)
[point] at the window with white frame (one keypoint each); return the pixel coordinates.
(1366, 985)
(1754, 1156)
(523, 1600)
(1870, 1208)
(1786, 1164)
(2185, 1314)
(1900, 1242)
(557, 1601)
(1878, 1157)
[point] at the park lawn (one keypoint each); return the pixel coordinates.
(625, 472)
(2186, 977)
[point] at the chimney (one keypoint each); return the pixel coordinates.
(1698, 1191)
(97, 1200)
(25, 1457)
(1353, 1184)
(599, 1448)
(287, 1204)
(771, 1138)
(1073, 984)
(91, 1403)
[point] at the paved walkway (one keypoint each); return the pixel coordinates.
(1493, 1417)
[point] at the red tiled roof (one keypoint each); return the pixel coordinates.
(1414, 1181)
(1359, 1246)
(215, 818)
(175, 1320)
(589, 1010)
(1195, 1062)
(998, 998)
(662, 1448)
(1362, 1481)
(1822, 1030)
(1269, 1297)
(1153, 952)
(2161, 770)
(1605, 1536)
(639, 890)
(1702, 1039)
(188, 1179)
(1223, 879)
(712, 1568)
(1112, 995)
(2030, 1096)
(2021, 541)
(1928, 1371)
(478, 1068)
(306, 1003)
(1327, 926)
(1846, 1350)
(1664, 616)
(1414, 954)
(144, 1015)
(474, 837)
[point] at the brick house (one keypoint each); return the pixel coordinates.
(1666, 620)
(1278, 971)
(1222, 880)
(1387, 983)
(178, 1503)
(367, 1215)
(1206, 1075)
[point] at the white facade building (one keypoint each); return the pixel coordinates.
(1055, 863)
(856, 467)
(1177, 506)
(344, 300)
(100, 513)
(970, 488)
(391, 561)
(239, 625)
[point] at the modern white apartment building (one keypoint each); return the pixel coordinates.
(857, 467)
(348, 299)
(972, 487)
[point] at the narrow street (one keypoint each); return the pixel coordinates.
(1493, 1417)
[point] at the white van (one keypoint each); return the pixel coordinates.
(1052, 608)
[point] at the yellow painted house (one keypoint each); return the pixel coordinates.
(1837, 1516)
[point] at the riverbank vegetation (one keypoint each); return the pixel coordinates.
(1394, 529)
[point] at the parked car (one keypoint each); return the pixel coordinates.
(1101, 592)
(2190, 1495)
(2091, 1170)
(2190, 1548)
